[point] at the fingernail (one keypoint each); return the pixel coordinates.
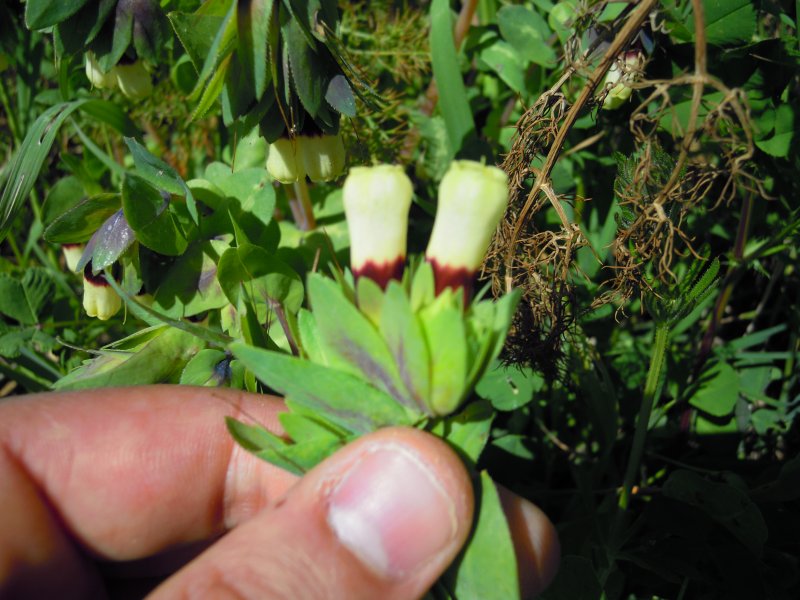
(391, 512)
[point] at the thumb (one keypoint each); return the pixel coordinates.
(382, 518)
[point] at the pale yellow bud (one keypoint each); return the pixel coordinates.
(323, 156)
(72, 254)
(134, 80)
(96, 76)
(282, 162)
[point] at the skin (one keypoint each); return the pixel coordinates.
(110, 493)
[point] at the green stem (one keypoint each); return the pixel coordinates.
(648, 401)
(10, 116)
(300, 203)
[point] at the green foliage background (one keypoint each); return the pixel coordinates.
(650, 411)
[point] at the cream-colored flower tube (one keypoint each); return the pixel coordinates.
(472, 200)
(72, 254)
(99, 299)
(376, 204)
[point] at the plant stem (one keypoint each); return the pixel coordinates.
(10, 116)
(648, 401)
(300, 203)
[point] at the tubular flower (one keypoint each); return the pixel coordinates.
(72, 255)
(99, 299)
(134, 80)
(619, 79)
(376, 204)
(472, 200)
(321, 157)
(96, 76)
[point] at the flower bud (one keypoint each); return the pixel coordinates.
(134, 80)
(282, 162)
(96, 76)
(99, 299)
(472, 200)
(376, 204)
(323, 156)
(72, 255)
(619, 79)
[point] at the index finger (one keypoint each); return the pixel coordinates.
(133, 471)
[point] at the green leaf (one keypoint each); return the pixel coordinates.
(350, 342)
(779, 143)
(28, 160)
(340, 96)
(265, 279)
(527, 32)
(443, 326)
(508, 387)
(253, 26)
(453, 102)
(191, 286)
(111, 114)
(345, 400)
(717, 391)
(13, 302)
(468, 431)
(504, 60)
(725, 503)
(487, 568)
(78, 223)
(148, 214)
(308, 77)
(729, 21)
(264, 444)
(203, 369)
(160, 359)
(44, 13)
(402, 333)
(65, 194)
(160, 174)
(300, 428)
(576, 578)
(39, 288)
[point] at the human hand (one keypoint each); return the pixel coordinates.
(107, 491)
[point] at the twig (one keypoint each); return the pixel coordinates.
(628, 31)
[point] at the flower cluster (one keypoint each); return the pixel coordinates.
(412, 333)
(472, 200)
(132, 78)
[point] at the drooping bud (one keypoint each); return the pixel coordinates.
(282, 162)
(99, 298)
(376, 204)
(619, 78)
(96, 76)
(472, 200)
(134, 80)
(72, 255)
(323, 156)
